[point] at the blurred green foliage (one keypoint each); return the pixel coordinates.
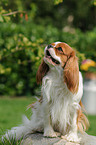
(57, 12)
(25, 33)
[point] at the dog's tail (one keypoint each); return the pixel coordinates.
(17, 132)
(28, 126)
(82, 121)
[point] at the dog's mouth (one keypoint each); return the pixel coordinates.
(49, 57)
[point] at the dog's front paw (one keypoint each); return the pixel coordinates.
(49, 132)
(72, 137)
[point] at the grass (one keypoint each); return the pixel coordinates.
(92, 128)
(12, 109)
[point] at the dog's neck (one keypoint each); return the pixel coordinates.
(55, 72)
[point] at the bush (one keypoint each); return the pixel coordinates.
(83, 42)
(21, 50)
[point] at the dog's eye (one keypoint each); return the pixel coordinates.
(60, 49)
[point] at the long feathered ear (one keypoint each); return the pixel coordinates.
(42, 70)
(71, 73)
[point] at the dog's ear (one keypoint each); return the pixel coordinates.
(42, 70)
(71, 73)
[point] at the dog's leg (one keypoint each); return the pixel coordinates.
(72, 135)
(48, 129)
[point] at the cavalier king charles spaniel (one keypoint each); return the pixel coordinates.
(59, 110)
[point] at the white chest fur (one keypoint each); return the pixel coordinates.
(62, 102)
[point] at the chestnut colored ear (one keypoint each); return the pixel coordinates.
(71, 73)
(42, 70)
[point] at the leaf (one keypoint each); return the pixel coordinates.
(56, 2)
(7, 18)
(1, 18)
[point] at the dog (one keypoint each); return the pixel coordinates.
(59, 110)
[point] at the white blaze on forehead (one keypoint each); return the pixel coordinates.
(57, 43)
(53, 46)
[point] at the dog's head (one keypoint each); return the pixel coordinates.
(61, 55)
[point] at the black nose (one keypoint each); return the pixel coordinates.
(49, 46)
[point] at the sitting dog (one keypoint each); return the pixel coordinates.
(59, 109)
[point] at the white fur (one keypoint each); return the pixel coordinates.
(57, 112)
(63, 104)
(57, 42)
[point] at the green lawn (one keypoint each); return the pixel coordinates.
(92, 128)
(12, 109)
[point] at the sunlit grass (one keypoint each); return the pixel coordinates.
(11, 111)
(92, 128)
(11, 142)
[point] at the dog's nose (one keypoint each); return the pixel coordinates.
(49, 46)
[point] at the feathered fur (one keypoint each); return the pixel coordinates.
(82, 121)
(71, 73)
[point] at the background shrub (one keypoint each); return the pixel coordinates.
(24, 35)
